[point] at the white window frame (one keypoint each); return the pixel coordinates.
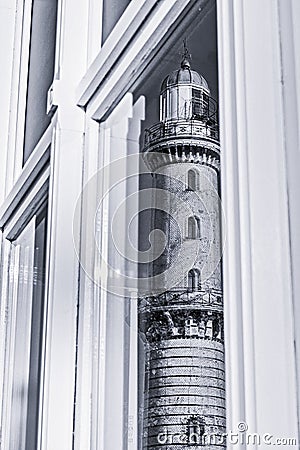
(19, 86)
(62, 144)
(18, 91)
(13, 305)
(99, 92)
(257, 265)
(289, 19)
(14, 223)
(102, 88)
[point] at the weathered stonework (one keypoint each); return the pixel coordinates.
(182, 329)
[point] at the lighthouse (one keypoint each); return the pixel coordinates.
(183, 386)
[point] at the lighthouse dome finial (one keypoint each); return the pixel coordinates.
(186, 56)
(185, 75)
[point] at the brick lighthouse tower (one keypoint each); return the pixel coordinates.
(183, 393)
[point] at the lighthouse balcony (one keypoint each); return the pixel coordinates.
(182, 129)
(203, 298)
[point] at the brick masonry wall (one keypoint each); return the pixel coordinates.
(184, 373)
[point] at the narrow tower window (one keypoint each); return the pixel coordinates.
(195, 430)
(193, 280)
(196, 102)
(205, 105)
(192, 180)
(193, 227)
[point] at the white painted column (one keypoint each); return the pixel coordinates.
(259, 328)
(65, 188)
(7, 23)
(5, 332)
(133, 148)
(289, 21)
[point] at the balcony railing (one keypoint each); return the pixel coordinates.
(187, 296)
(181, 129)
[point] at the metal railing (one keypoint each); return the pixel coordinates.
(181, 128)
(188, 295)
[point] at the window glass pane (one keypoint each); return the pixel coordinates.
(40, 72)
(176, 325)
(112, 11)
(192, 180)
(196, 103)
(21, 288)
(182, 321)
(36, 329)
(27, 285)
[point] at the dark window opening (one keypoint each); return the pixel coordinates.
(193, 227)
(196, 99)
(195, 430)
(200, 102)
(193, 280)
(192, 180)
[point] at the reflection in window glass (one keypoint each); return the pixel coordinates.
(40, 72)
(192, 228)
(196, 103)
(192, 180)
(27, 283)
(180, 144)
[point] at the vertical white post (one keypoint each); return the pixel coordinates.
(260, 360)
(7, 22)
(63, 278)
